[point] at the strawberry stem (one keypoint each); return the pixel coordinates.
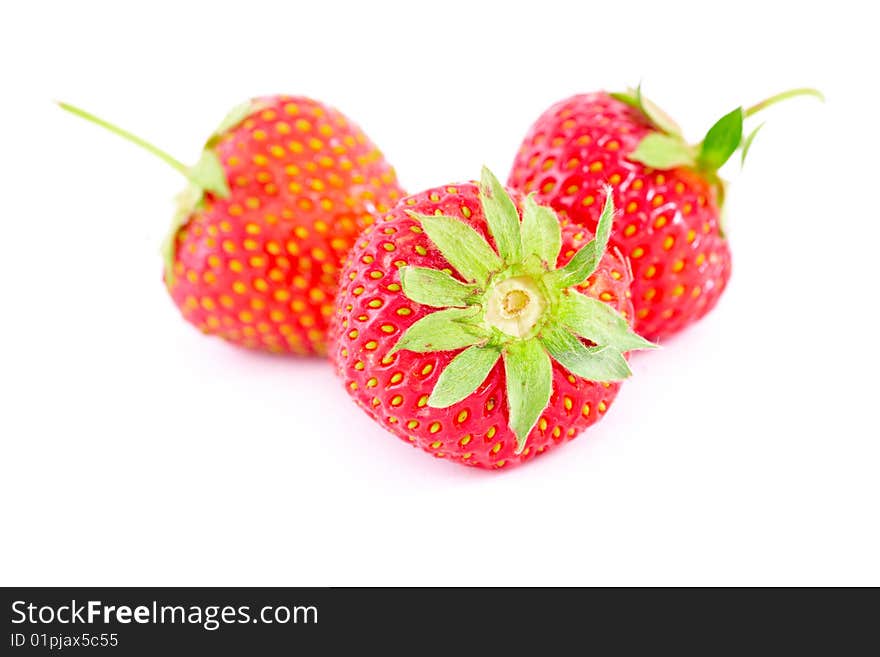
(125, 134)
(785, 95)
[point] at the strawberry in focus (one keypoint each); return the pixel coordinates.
(484, 354)
(281, 191)
(670, 194)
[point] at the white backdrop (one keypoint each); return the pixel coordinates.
(136, 451)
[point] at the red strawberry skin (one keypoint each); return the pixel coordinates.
(260, 268)
(372, 313)
(669, 226)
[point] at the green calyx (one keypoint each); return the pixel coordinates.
(666, 148)
(206, 176)
(511, 303)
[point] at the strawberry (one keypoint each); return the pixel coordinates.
(669, 191)
(484, 355)
(282, 189)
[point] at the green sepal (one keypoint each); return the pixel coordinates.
(438, 289)
(627, 97)
(234, 117)
(584, 262)
(208, 174)
(721, 141)
(602, 363)
(658, 118)
(529, 375)
(747, 143)
(463, 375)
(185, 204)
(598, 322)
(661, 151)
(461, 245)
(501, 217)
(541, 234)
(444, 330)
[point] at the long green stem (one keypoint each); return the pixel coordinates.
(125, 134)
(785, 95)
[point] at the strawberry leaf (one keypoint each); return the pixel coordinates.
(444, 330)
(661, 151)
(529, 375)
(463, 375)
(541, 235)
(584, 262)
(747, 143)
(592, 363)
(438, 289)
(501, 217)
(598, 322)
(721, 141)
(461, 245)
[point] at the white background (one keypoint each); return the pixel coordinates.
(136, 451)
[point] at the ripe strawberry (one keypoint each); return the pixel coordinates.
(528, 347)
(669, 191)
(281, 191)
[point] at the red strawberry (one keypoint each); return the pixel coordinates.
(669, 192)
(485, 355)
(282, 189)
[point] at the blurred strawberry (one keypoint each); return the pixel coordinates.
(282, 188)
(669, 191)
